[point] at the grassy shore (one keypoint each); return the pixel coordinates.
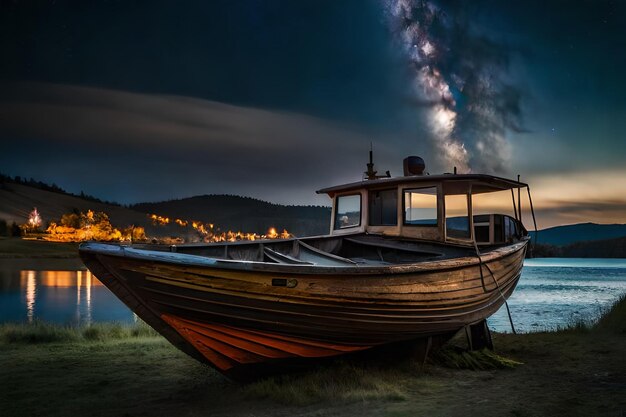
(14, 247)
(114, 370)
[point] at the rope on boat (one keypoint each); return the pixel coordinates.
(480, 259)
(480, 266)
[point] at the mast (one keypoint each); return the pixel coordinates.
(371, 173)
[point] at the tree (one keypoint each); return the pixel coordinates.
(34, 220)
(71, 220)
(16, 231)
(4, 230)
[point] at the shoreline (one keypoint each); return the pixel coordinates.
(39, 255)
(18, 248)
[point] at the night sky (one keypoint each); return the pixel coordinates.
(145, 101)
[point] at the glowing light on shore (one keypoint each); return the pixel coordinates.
(159, 220)
(34, 219)
(91, 226)
(210, 233)
(96, 226)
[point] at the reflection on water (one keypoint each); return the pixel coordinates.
(66, 297)
(30, 294)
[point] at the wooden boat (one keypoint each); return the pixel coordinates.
(398, 265)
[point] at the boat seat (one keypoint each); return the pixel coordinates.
(380, 243)
(370, 262)
(282, 258)
(306, 252)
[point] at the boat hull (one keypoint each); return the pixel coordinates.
(241, 317)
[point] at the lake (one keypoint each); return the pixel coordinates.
(551, 293)
(66, 293)
(555, 292)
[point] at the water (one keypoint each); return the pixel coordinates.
(73, 297)
(552, 293)
(556, 292)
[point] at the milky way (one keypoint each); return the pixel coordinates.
(459, 80)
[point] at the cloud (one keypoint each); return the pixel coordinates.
(134, 147)
(603, 212)
(198, 144)
(73, 113)
(593, 195)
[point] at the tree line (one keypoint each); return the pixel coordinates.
(31, 182)
(607, 248)
(12, 230)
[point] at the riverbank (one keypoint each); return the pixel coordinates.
(18, 248)
(38, 255)
(110, 370)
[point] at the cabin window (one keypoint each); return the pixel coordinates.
(498, 202)
(348, 211)
(383, 207)
(510, 229)
(420, 206)
(457, 216)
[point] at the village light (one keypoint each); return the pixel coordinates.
(34, 219)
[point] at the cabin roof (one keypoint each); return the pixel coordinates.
(481, 183)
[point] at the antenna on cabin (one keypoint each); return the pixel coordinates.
(371, 173)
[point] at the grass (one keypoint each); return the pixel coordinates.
(41, 332)
(116, 370)
(94, 373)
(479, 360)
(614, 320)
(26, 248)
(342, 381)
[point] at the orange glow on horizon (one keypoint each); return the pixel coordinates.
(210, 234)
(581, 197)
(96, 226)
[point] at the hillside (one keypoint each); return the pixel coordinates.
(17, 200)
(244, 213)
(565, 235)
(249, 215)
(228, 212)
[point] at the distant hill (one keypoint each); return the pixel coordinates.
(606, 248)
(19, 196)
(228, 212)
(565, 235)
(17, 201)
(244, 214)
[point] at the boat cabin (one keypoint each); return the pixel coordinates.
(436, 208)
